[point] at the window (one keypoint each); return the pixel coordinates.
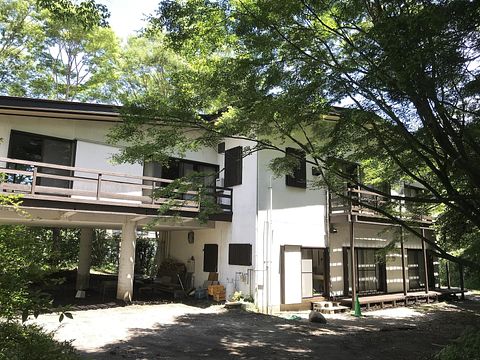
(178, 168)
(233, 166)
(240, 254)
(413, 208)
(299, 176)
(40, 148)
(210, 257)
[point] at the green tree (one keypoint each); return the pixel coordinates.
(145, 65)
(58, 50)
(272, 71)
(80, 53)
(20, 34)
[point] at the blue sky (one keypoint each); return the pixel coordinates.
(127, 15)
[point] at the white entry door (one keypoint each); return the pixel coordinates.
(292, 274)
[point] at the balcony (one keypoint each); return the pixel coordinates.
(360, 202)
(43, 185)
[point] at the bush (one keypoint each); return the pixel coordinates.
(20, 265)
(20, 342)
(466, 346)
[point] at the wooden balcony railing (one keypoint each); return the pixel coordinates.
(360, 202)
(44, 181)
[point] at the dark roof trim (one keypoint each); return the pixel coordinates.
(57, 105)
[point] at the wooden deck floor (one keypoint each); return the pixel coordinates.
(400, 299)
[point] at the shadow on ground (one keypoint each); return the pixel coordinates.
(239, 334)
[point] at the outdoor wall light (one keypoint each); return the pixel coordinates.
(191, 237)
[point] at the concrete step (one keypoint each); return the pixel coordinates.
(329, 307)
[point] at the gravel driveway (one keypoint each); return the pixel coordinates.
(178, 331)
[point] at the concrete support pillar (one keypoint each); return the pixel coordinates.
(126, 265)
(84, 259)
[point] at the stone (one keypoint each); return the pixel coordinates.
(316, 317)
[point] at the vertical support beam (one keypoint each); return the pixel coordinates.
(84, 259)
(425, 262)
(126, 266)
(326, 272)
(34, 180)
(402, 248)
(56, 239)
(99, 186)
(352, 261)
(462, 281)
(447, 272)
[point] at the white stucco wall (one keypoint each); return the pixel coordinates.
(96, 156)
(298, 217)
(222, 236)
(242, 229)
(93, 131)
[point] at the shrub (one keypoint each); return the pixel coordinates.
(466, 346)
(20, 342)
(20, 265)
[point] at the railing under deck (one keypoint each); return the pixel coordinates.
(44, 181)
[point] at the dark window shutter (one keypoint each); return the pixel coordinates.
(210, 258)
(240, 254)
(299, 177)
(233, 166)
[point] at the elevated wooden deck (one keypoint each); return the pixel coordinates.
(45, 185)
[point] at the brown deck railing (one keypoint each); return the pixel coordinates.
(44, 181)
(355, 202)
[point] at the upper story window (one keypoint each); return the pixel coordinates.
(415, 207)
(41, 148)
(413, 191)
(178, 168)
(233, 166)
(299, 176)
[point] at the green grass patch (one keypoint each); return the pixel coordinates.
(465, 347)
(20, 342)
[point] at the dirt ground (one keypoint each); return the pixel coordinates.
(179, 331)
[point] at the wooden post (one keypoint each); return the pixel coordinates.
(425, 263)
(34, 180)
(447, 271)
(153, 192)
(402, 248)
(462, 281)
(99, 185)
(352, 262)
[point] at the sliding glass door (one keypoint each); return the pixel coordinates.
(370, 272)
(39, 148)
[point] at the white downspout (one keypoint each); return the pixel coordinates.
(269, 244)
(327, 238)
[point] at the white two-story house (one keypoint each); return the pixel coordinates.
(276, 239)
